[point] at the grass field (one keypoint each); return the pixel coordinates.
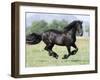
(36, 56)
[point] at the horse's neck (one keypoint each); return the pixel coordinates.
(74, 34)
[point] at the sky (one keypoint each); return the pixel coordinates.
(31, 16)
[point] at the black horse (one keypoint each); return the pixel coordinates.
(67, 38)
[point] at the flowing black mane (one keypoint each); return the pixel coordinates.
(71, 25)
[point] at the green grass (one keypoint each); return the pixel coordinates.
(36, 56)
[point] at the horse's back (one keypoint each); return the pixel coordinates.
(53, 31)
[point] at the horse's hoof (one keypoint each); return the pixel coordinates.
(65, 57)
(55, 55)
(73, 52)
(50, 54)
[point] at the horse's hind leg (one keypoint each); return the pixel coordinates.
(49, 49)
(51, 52)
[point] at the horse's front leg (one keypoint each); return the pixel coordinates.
(69, 53)
(74, 51)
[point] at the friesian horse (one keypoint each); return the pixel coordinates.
(66, 37)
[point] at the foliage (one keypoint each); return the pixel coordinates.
(41, 26)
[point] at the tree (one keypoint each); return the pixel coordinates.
(38, 26)
(57, 24)
(41, 26)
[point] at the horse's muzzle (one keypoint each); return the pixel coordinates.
(81, 34)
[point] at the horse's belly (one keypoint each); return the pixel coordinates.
(63, 41)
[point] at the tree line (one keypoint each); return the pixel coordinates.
(42, 25)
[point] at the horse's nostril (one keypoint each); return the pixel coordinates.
(81, 34)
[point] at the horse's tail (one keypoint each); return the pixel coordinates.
(33, 38)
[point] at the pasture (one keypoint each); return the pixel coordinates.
(36, 56)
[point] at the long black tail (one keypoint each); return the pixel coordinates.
(33, 38)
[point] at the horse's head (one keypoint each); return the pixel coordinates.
(76, 25)
(79, 27)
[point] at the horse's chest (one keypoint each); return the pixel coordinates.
(68, 40)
